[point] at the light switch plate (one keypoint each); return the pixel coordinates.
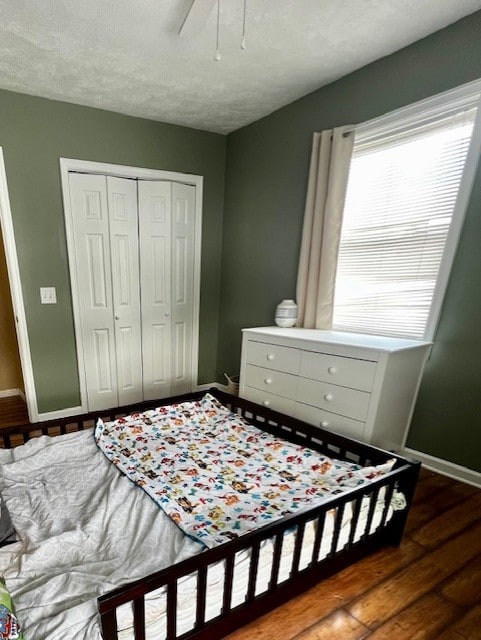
(48, 295)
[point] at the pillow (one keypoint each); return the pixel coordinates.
(7, 532)
(9, 626)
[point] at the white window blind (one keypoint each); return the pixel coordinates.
(400, 201)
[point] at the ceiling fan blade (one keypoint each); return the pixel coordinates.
(196, 16)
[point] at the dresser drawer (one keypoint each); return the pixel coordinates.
(277, 403)
(345, 402)
(273, 356)
(276, 382)
(330, 421)
(347, 372)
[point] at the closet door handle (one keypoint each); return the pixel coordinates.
(167, 314)
(117, 317)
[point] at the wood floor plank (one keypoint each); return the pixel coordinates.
(13, 411)
(338, 626)
(430, 486)
(466, 628)
(464, 587)
(448, 523)
(392, 595)
(451, 495)
(419, 515)
(423, 620)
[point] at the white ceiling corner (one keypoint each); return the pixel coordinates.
(127, 56)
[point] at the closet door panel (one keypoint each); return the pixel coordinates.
(155, 214)
(124, 246)
(90, 223)
(160, 356)
(183, 225)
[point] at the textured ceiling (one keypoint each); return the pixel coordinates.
(126, 56)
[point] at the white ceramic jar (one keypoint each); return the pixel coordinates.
(286, 314)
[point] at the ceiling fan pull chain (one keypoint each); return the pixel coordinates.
(217, 52)
(243, 41)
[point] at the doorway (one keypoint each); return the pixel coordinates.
(11, 379)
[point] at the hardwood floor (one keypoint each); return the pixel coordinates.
(13, 411)
(427, 589)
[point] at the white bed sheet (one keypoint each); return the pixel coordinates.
(103, 532)
(77, 544)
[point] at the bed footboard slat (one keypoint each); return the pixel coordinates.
(387, 503)
(318, 537)
(228, 576)
(172, 610)
(337, 528)
(276, 560)
(201, 596)
(298, 548)
(372, 507)
(254, 564)
(355, 520)
(139, 618)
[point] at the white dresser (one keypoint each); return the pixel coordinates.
(359, 385)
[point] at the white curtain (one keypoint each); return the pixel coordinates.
(326, 191)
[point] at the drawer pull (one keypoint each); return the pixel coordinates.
(332, 370)
(266, 403)
(324, 423)
(328, 397)
(270, 357)
(268, 380)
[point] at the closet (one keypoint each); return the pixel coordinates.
(133, 242)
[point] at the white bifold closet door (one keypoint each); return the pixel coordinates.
(107, 261)
(166, 231)
(134, 263)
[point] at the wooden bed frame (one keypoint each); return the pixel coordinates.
(402, 478)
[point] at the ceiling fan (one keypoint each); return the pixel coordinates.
(196, 16)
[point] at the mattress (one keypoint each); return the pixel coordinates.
(84, 529)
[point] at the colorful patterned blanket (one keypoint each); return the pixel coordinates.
(216, 475)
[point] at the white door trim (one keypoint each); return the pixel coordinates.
(84, 166)
(16, 291)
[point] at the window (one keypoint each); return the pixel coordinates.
(400, 208)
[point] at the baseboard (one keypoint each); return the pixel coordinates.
(7, 393)
(445, 467)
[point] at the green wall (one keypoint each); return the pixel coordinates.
(34, 134)
(266, 177)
